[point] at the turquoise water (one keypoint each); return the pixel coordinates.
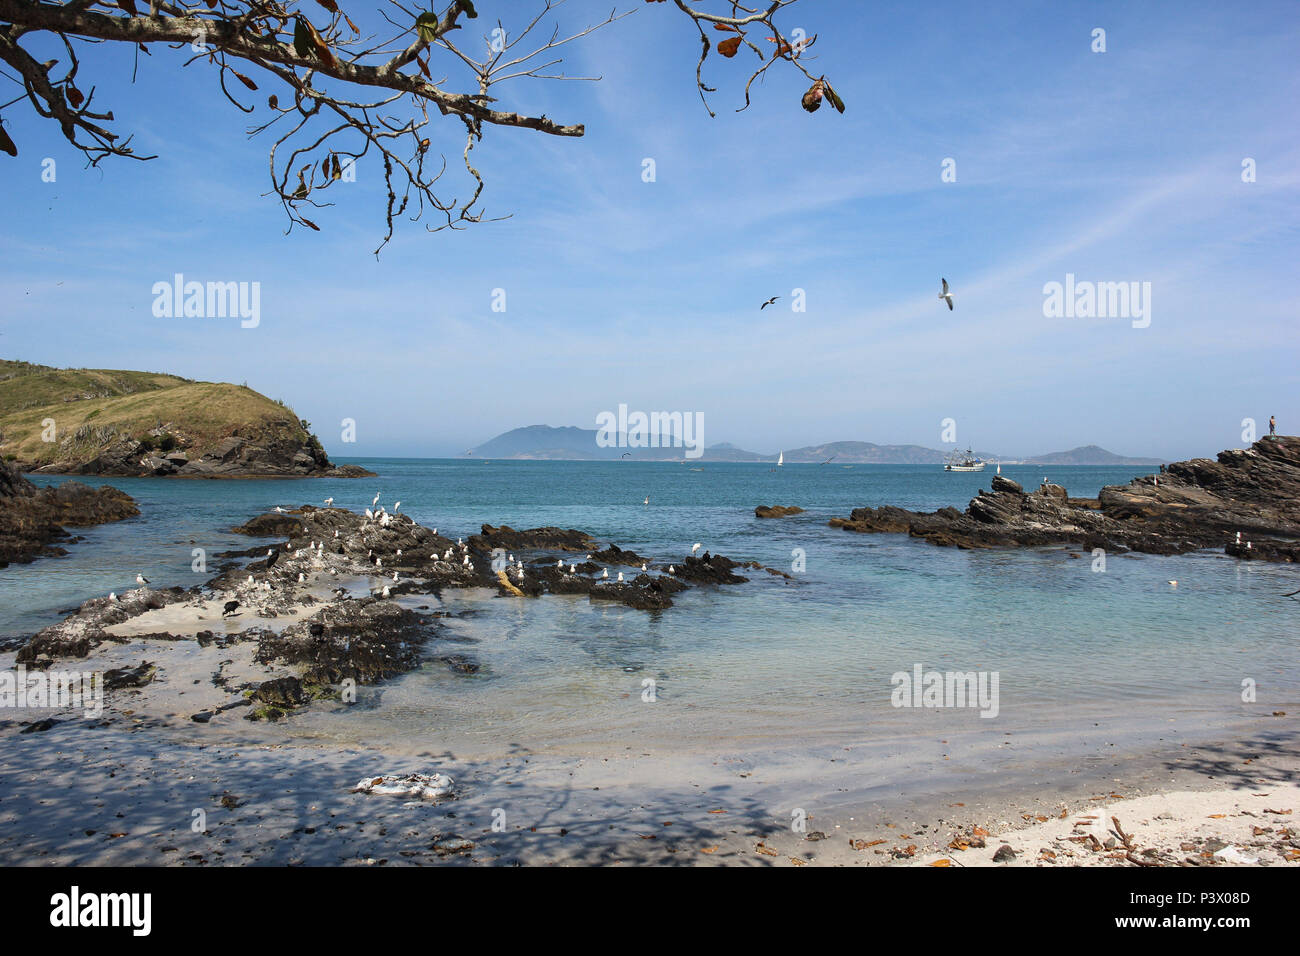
(771, 659)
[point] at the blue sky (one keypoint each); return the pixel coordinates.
(1115, 166)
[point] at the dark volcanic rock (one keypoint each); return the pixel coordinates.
(272, 524)
(32, 519)
(119, 678)
(281, 692)
(1006, 484)
(553, 539)
(364, 640)
(1194, 504)
(616, 555)
(709, 569)
(78, 635)
(777, 511)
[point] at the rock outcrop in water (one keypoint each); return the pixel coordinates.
(360, 632)
(32, 519)
(777, 511)
(1195, 504)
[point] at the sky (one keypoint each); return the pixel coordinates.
(1116, 166)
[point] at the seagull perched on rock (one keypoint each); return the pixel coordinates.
(945, 294)
(620, 576)
(643, 567)
(385, 591)
(573, 569)
(329, 502)
(695, 547)
(141, 579)
(376, 501)
(396, 505)
(301, 577)
(112, 595)
(671, 569)
(605, 573)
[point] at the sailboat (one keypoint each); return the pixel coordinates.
(967, 462)
(780, 459)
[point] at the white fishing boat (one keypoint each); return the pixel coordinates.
(963, 461)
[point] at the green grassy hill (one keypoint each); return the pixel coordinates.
(111, 421)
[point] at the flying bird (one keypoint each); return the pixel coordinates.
(945, 294)
(768, 302)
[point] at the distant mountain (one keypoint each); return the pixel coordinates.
(867, 453)
(1089, 455)
(570, 443)
(579, 444)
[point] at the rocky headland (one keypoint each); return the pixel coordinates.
(134, 424)
(33, 520)
(1247, 502)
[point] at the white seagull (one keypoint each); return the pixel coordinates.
(945, 294)
(695, 547)
(396, 505)
(329, 502)
(112, 595)
(141, 579)
(620, 575)
(605, 573)
(376, 501)
(671, 569)
(644, 568)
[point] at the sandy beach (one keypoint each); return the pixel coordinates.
(144, 783)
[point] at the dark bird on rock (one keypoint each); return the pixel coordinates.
(768, 302)
(231, 607)
(271, 558)
(316, 629)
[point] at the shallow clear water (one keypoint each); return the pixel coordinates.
(770, 660)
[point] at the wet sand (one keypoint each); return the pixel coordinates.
(144, 784)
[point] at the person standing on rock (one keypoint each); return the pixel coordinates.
(1272, 425)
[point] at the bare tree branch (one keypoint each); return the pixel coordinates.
(340, 87)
